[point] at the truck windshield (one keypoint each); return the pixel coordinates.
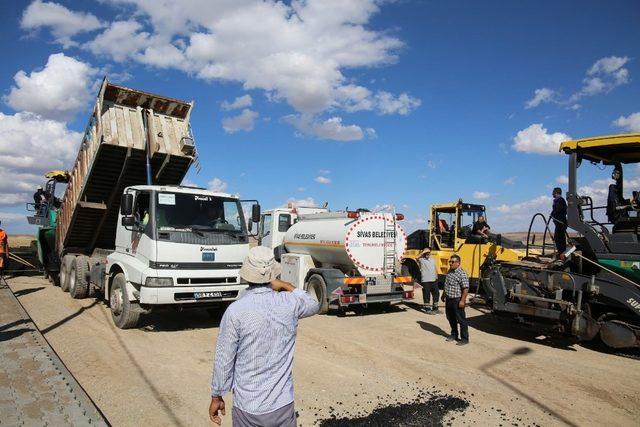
(201, 213)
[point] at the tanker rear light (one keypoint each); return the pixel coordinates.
(407, 294)
(399, 217)
(348, 299)
(353, 214)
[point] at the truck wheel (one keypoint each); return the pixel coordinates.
(123, 311)
(78, 283)
(64, 272)
(317, 288)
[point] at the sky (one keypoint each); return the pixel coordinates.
(359, 103)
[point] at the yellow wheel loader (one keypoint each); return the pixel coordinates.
(449, 233)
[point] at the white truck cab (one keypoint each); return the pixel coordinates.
(175, 246)
(274, 224)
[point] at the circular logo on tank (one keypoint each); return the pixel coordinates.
(372, 237)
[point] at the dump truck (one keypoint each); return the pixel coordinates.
(593, 289)
(449, 233)
(347, 260)
(125, 229)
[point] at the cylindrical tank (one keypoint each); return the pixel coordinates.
(335, 239)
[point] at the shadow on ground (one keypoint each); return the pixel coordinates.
(435, 330)
(371, 310)
(507, 327)
(27, 291)
(171, 320)
(13, 333)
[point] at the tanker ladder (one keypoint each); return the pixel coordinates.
(389, 240)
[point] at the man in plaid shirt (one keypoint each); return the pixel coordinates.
(456, 288)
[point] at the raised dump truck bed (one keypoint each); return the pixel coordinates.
(112, 156)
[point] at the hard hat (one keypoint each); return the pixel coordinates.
(39, 187)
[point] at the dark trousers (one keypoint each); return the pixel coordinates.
(456, 316)
(430, 290)
(560, 237)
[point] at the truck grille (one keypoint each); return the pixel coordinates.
(186, 281)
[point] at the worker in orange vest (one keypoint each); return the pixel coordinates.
(4, 249)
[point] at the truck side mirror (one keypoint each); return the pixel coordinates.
(126, 205)
(128, 221)
(255, 213)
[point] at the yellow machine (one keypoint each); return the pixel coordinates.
(449, 233)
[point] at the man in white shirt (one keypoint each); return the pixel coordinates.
(429, 282)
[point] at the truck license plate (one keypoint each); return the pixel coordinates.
(371, 281)
(200, 295)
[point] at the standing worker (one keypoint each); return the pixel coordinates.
(559, 217)
(456, 289)
(254, 352)
(4, 250)
(429, 282)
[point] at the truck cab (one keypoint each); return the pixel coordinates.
(175, 246)
(275, 223)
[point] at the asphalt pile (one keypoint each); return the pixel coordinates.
(426, 410)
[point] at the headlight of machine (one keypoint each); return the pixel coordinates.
(158, 282)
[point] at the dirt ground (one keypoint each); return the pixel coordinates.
(159, 374)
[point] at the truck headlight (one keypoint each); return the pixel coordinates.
(158, 282)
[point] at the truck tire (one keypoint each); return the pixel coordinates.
(64, 272)
(317, 288)
(78, 283)
(123, 312)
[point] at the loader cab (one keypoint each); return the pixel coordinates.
(608, 218)
(451, 224)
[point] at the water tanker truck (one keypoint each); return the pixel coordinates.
(347, 259)
(125, 229)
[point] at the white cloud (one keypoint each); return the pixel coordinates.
(63, 23)
(243, 121)
(324, 172)
(12, 217)
(541, 96)
(217, 185)
(301, 189)
(603, 76)
(322, 180)
(8, 199)
(417, 221)
(562, 180)
(120, 41)
(481, 195)
(536, 139)
(240, 102)
(30, 143)
(516, 217)
(30, 146)
(296, 52)
(58, 91)
(308, 202)
(510, 181)
(431, 164)
(402, 104)
(331, 128)
(630, 123)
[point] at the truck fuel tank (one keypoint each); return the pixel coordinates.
(362, 240)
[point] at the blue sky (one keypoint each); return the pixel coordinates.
(357, 103)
